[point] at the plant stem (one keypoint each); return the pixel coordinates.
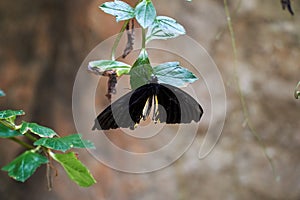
(241, 95)
(143, 38)
(49, 177)
(117, 41)
(29, 136)
(24, 144)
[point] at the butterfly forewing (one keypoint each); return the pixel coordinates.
(116, 115)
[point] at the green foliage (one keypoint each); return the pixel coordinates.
(119, 9)
(37, 129)
(153, 27)
(6, 132)
(164, 28)
(173, 74)
(25, 165)
(22, 167)
(64, 143)
(141, 71)
(100, 66)
(9, 114)
(145, 13)
(75, 169)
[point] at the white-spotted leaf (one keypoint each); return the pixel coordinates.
(64, 143)
(119, 9)
(37, 129)
(145, 13)
(100, 66)
(173, 74)
(164, 28)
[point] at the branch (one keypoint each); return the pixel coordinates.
(240, 92)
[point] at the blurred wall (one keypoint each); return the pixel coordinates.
(42, 45)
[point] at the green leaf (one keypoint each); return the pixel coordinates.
(75, 169)
(37, 129)
(65, 143)
(141, 71)
(164, 28)
(2, 93)
(24, 165)
(7, 114)
(173, 74)
(100, 66)
(6, 132)
(119, 9)
(145, 13)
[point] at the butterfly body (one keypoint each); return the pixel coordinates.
(170, 104)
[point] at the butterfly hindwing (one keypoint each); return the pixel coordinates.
(138, 101)
(179, 106)
(169, 106)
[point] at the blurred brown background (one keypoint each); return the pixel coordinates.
(43, 42)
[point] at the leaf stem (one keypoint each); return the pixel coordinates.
(240, 92)
(36, 149)
(8, 124)
(117, 41)
(24, 144)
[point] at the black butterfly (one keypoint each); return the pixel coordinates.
(170, 105)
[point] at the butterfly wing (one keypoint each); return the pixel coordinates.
(107, 118)
(175, 106)
(125, 112)
(179, 106)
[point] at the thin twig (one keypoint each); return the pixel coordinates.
(240, 92)
(24, 144)
(117, 41)
(49, 177)
(143, 38)
(31, 137)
